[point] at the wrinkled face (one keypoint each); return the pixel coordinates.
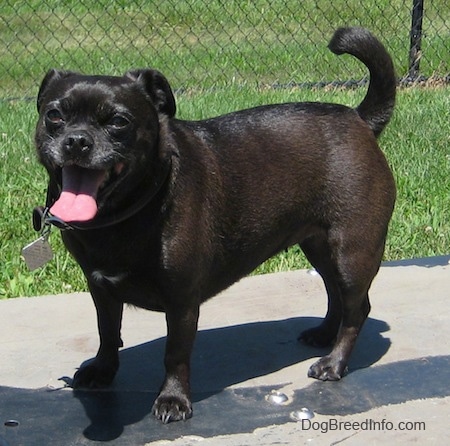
(94, 132)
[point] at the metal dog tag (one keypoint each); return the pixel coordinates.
(37, 253)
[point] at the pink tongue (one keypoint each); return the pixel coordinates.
(77, 201)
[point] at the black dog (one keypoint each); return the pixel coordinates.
(163, 213)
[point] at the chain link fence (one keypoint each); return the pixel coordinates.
(200, 44)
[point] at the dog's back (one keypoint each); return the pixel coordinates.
(278, 166)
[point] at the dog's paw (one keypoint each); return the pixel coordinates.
(318, 337)
(327, 369)
(169, 408)
(94, 376)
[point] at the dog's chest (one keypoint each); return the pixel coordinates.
(103, 278)
(140, 290)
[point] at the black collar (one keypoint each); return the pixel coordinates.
(42, 217)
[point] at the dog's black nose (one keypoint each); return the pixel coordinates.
(78, 143)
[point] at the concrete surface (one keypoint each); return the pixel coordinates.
(397, 389)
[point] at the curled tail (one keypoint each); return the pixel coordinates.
(377, 106)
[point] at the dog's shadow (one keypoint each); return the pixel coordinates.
(222, 357)
(226, 356)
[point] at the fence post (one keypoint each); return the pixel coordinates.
(415, 52)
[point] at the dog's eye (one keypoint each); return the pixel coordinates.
(119, 122)
(54, 116)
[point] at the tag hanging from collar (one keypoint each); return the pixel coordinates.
(39, 252)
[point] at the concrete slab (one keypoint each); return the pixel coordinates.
(397, 388)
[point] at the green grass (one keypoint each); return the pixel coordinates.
(205, 43)
(416, 143)
(223, 56)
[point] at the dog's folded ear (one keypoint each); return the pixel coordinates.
(51, 76)
(157, 87)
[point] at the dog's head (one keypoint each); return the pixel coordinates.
(97, 132)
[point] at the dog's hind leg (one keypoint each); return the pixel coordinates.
(350, 268)
(317, 252)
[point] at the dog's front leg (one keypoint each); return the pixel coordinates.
(101, 371)
(173, 402)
